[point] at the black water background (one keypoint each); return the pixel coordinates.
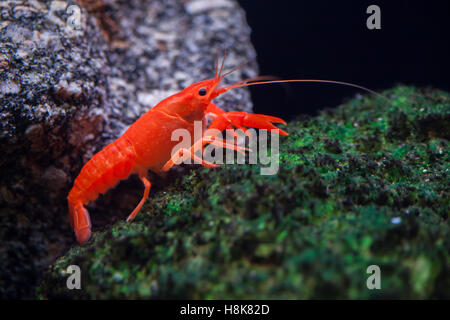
(330, 40)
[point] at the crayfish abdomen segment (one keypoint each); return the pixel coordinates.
(105, 169)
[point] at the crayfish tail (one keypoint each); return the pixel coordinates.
(80, 221)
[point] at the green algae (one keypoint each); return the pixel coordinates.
(364, 184)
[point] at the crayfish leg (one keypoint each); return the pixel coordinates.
(182, 154)
(147, 186)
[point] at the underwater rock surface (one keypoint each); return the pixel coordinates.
(65, 93)
(364, 184)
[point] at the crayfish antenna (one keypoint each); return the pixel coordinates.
(248, 83)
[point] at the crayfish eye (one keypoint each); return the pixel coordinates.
(202, 92)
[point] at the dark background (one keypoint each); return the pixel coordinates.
(327, 39)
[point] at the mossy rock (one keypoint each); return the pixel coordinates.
(364, 184)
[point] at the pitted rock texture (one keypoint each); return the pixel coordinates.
(74, 76)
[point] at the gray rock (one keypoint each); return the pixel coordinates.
(71, 84)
